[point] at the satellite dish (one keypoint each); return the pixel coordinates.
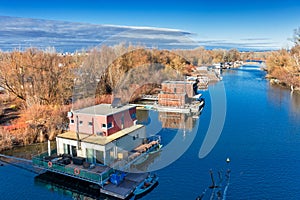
(70, 114)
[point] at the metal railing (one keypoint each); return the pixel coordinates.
(51, 164)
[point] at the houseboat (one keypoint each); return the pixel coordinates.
(181, 97)
(101, 144)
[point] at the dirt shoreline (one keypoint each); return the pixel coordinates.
(275, 81)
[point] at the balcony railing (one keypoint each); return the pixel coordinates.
(91, 173)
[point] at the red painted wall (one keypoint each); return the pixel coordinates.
(115, 119)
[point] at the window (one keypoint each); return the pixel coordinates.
(122, 121)
(99, 157)
(135, 137)
(80, 123)
(133, 116)
(90, 123)
(72, 121)
(109, 125)
(67, 148)
(90, 155)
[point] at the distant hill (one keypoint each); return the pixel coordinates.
(21, 33)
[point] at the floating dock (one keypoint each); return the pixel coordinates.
(98, 174)
(126, 187)
(195, 108)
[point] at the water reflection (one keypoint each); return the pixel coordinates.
(177, 120)
(177, 131)
(145, 165)
(70, 187)
(143, 116)
(27, 152)
(170, 120)
(279, 97)
(295, 101)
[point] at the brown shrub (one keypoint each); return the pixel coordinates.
(39, 123)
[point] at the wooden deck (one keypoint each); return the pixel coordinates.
(96, 169)
(126, 187)
(97, 174)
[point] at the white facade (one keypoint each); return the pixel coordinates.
(102, 154)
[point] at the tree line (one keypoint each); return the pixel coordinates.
(46, 84)
(283, 66)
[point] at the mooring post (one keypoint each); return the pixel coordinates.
(212, 179)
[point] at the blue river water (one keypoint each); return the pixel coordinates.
(261, 136)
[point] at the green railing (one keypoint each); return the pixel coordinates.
(70, 170)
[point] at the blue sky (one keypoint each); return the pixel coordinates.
(264, 24)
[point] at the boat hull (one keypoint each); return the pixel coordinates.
(146, 185)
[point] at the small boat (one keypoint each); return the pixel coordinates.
(157, 149)
(146, 185)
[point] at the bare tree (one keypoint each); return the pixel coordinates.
(37, 77)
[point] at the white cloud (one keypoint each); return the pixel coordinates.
(69, 36)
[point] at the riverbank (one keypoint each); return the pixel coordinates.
(28, 151)
(283, 68)
(9, 111)
(21, 126)
(275, 81)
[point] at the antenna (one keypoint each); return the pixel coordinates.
(77, 132)
(93, 128)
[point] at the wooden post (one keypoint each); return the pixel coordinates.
(212, 179)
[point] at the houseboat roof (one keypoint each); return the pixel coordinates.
(179, 82)
(103, 109)
(100, 140)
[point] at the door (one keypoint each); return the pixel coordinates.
(90, 155)
(74, 151)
